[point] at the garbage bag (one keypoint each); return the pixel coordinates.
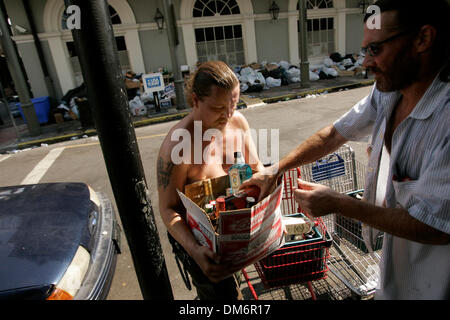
(272, 82)
(293, 75)
(313, 76)
(137, 108)
(285, 65)
(257, 87)
(330, 71)
(336, 57)
(327, 62)
(246, 71)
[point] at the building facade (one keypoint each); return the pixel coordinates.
(236, 31)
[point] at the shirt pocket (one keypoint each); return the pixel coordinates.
(404, 193)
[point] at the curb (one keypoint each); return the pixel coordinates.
(301, 94)
(180, 115)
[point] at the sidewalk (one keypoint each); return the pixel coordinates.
(53, 133)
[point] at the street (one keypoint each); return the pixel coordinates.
(82, 160)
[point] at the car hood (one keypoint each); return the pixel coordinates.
(40, 230)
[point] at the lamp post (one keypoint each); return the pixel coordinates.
(159, 19)
(304, 63)
(172, 35)
(274, 11)
(363, 4)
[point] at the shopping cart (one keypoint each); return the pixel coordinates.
(349, 260)
(295, 262)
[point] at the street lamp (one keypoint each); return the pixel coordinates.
(159, 19)
(274, 10)
(363, 4)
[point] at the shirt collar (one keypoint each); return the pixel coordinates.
(430, 100)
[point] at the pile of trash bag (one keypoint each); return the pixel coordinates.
(262, 76)
(336, 65)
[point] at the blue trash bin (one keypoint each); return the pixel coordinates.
(42, 107)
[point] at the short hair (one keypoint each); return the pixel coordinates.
(210, 73)
(413, 14)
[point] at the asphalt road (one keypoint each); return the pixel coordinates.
(82, 160)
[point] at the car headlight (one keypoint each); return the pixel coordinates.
(70, 283)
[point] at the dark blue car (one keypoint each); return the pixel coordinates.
(57, 241)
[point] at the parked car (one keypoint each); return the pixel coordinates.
(58, 241)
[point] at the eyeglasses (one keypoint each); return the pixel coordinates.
(374, 48)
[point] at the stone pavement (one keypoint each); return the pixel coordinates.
(17, 138)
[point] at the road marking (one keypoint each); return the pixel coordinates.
(5, 157)
(42, 167)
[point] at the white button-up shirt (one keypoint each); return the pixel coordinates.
(418, 181)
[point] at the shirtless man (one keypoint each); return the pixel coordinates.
(213, 94)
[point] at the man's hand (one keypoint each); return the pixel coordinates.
(316, 199)
(210, 264)
(265, 180)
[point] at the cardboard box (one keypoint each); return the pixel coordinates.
(243, 236)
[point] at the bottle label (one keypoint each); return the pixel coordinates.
(235, 179)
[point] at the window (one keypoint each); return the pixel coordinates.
(320, 36)
(220, 43)
(210, 8)
(318, 4)
(320, 31)
(73, 56)
(115, 19)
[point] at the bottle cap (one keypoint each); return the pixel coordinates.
(237, 154)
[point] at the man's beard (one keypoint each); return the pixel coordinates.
(400, 75)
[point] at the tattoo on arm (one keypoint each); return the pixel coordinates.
(164, 171)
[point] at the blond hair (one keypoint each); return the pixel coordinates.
(210, 73)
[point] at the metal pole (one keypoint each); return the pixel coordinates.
(304, 63)
(99, 61)
(172, 35)
(18, 78)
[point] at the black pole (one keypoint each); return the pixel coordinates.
(99, 60)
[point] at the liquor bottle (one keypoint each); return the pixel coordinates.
(239, 200)
(207, 188)
(238, 172)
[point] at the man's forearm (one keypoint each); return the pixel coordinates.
(315, 147)
(395, 221)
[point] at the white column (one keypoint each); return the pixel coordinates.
(294, 55)
(189, 45)
(341, 33)
(134, 51)
(341, 26)
(62, 63)
(249, 34)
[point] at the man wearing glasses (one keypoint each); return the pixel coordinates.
(407, 114)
